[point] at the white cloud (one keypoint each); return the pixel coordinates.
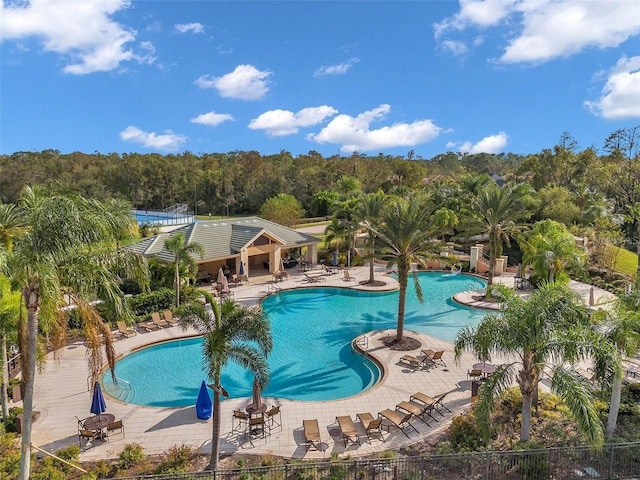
(491, 144)
(354, 133)
(621, 94)
(457, 48)
(278, 123)
(339, 69)
(545, 29)
(189, 27)
(212, 119)
(81, 31)
(168, 141)
(246, 82)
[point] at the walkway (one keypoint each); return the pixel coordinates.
(61, 393)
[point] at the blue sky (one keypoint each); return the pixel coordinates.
(331, 76)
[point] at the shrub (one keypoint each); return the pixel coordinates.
(146, 303)
(464, 434)
(176, 459)
(533, 466)
(131, 455)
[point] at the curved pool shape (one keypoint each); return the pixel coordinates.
(312, 358)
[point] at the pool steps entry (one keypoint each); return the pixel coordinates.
(120, 389)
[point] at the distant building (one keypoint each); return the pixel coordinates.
(498, 179)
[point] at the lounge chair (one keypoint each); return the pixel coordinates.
(148, 326)
(347, 277)
(311, 434)
(420, 411)
(371, 425)
(430, 403)
(439, 404)
(155, 318)
(474, 373)
(411, 362)
(168, 317)
(125, 330)
(588, 374)
(347, 430)
(400, 420)
(313, 277)
(434, 358)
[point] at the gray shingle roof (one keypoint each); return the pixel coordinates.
(222, 238)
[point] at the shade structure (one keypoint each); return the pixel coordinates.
(335, 259)
(256, 396)
(241, 271)
(592, 300)
(204, 405)
(98, 405)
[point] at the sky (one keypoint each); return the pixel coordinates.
(335, 77)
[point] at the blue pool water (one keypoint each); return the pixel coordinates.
(312, 357)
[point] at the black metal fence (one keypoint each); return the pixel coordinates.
(616, 461)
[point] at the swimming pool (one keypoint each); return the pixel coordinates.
(312, 357)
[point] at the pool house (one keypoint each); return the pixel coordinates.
(239, 246)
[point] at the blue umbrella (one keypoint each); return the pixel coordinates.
(98, 404)
(204, 406)
(241, 268)
(335, 259)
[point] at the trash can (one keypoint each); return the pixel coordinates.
(475, 386)
(18, 422)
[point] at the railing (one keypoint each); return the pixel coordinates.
(177, 208)
(619, 461)
(120, 389)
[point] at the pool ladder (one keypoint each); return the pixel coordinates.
(122, 390)
(363, 341)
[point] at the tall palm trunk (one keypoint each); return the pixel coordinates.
(525, 424)
(32, 300)
(4, 397)
(177, 282)
(638, 252)
(371, 271)
(616, 393)
(493, 240)
(215, 438)
(403, 277)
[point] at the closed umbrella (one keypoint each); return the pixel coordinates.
(241, 271)
(335, 259)
(220, 275)
(225, 285)
(204, 406)
(256, 396)
(98, 405)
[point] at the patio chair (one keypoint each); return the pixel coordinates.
(270, 417)
(411, 361)
(155, 318)
(311, 434)
(347, 430)
(371, 425)
(242, 420)
(474, 373)
(113, 426)
(400, 420)
(347, 277)
(312, 278)
(125, 330)
(419, 411)
(257, 427)
(168, 317)
(88, 435)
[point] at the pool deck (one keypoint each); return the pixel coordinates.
(61, 393)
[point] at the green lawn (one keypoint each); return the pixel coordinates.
(626, 261)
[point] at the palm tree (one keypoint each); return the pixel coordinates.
(406, 233)
(622, 328)
(231, 332)
(177, 245)
(496, 210)
(67, 250)
(549, 330)
(10, 311)
(335, 232)
(369, 211)
(634, 216)
(12, 225)
(550, 248)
